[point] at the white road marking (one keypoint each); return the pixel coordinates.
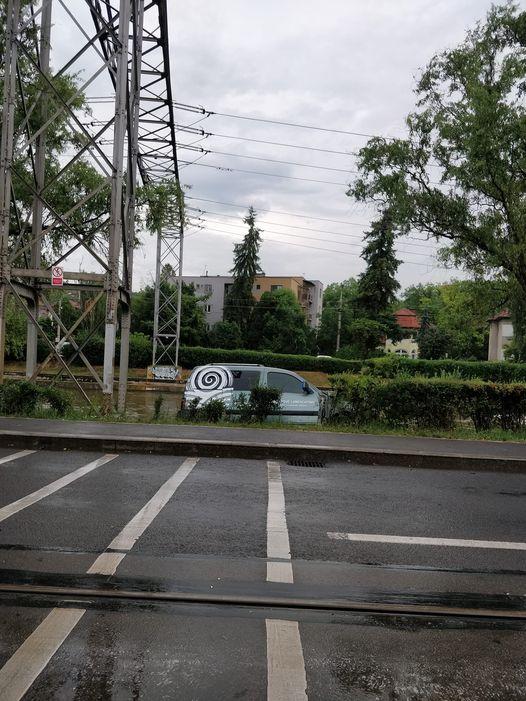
(30, 499)
(31, 658)
(21, 670)
(278, 545)
(127, 538)
(286, 678)
(15, 456)
(416, 540)
(106, 563)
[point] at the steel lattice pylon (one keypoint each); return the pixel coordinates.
(127, 41)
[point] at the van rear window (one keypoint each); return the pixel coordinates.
(244, 380)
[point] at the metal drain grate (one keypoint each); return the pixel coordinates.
(305, 463)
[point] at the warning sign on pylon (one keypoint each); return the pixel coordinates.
(57, 276)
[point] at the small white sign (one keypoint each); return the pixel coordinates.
(165, 372)
(57, 276)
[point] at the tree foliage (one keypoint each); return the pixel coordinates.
(377, 286)
(459, 176)
(240, 301)
(376, 293)
(278, 325)
(64, 189)
(328, 329)
(225, 334)
(193, 327)
(459, 310)
(366, 335)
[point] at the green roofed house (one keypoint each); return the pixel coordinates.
(500, 334)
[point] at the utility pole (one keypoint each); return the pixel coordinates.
(338, 333)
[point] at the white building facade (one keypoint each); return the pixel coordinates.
(309, 293)
(500, 335)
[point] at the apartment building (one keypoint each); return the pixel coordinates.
(309, 293)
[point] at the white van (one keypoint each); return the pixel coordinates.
(300, 402)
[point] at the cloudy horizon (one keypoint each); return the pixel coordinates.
(349, 67)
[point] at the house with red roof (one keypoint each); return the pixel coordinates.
(409, 322)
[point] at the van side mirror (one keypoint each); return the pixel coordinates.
(307, 389)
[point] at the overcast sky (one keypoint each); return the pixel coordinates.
(342, 64)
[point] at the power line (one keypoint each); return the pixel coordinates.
(318, 248)
(311, 238)
(303, 228)
(297, 125)
(226, 169)
(205, 151)
(276, 211)
(206, 134)
(288, 214)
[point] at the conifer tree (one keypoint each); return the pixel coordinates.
(240, 301)
(377, 286)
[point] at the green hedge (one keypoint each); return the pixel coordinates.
(24, 397)
(190, 357)
(428, 402)
(393, 365)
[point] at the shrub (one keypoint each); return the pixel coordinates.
(190, 410)
(264, 401)
(190, 357)
(157, 406)
(24, 397)
(355, 400)
(490, 371)
(436, 402)
(213, 411)
(261, 403)
(93, 350)
(58, 400)
(140, 350)
(19, 397)
(242, 409)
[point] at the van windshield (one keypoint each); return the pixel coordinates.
(245, 379)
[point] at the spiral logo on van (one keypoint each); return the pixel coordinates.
(211, 379)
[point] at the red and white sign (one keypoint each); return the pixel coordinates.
(57, 276)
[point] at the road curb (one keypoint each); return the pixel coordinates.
(258, 451)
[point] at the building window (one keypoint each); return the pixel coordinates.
(273, 288)
(207, 289)
(208, 308)
(258, 287)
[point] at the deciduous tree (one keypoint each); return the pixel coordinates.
(459, 175)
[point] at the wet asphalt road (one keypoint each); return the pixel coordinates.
(213, 532)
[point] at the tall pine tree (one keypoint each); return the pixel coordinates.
(377, 286)
(240, 301)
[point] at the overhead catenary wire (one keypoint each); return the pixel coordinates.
(311, 238)
(245, 207)
(317, 248)
(206, 134)
(206, 151)
(303, 228)
(288, 214)
(201, 110)
(228, 169)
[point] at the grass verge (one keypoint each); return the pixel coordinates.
(461, 432)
